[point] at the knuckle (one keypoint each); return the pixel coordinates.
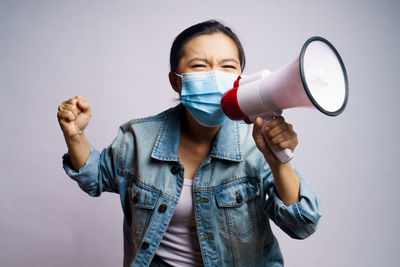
(279, 119)
(66, 107)
(278, 147)
(74, 108)
(275, 141)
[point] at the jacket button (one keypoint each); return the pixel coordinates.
(175, 169)
(136, 198)
(145, 245)
(162, 208)
(239, 199)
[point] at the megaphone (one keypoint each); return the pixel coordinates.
(316, 79)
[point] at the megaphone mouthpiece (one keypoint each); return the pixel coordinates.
(230, 106)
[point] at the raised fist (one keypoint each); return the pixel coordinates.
(73, 116)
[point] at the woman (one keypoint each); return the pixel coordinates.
(196, 188)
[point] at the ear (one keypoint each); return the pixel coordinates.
(175, 82)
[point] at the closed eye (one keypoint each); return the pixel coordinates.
(229, 67)
(199, 66)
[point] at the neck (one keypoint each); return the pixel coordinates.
(195, 131)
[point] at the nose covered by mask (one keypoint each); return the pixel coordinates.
(202, 92)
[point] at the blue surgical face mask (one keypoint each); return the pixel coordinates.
(201, 94)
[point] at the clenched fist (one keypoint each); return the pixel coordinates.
(73, 116)
(278, 134)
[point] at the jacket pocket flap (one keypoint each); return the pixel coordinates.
(237, 194)
(143, 198)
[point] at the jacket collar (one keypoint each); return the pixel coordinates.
(226, 144)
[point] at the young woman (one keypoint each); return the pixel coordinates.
(196, 188)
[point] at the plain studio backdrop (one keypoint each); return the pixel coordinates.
(116, 54)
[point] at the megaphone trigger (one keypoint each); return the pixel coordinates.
(276, 113)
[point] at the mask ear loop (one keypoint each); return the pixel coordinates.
(180, 76)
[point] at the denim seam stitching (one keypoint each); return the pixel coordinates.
(297, 213)
(308, 215)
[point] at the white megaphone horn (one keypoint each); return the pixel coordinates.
(316, 79)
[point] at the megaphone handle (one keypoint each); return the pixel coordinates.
(284, 155)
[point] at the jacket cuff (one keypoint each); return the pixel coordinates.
(300, 219)
(90, 169)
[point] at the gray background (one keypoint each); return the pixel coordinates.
(115, 53)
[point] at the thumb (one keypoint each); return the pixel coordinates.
(258, 132)
(260, 138)
(83, 104)
(258, 124)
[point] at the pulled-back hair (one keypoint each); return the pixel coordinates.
(206, 27)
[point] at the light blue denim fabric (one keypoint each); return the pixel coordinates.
(234, 196)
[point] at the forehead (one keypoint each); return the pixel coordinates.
(215, 45)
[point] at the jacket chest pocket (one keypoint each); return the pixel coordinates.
(239, 206)
(143, 201)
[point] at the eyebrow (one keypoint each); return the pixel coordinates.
(225, 60)
(229, 60)
(197, 59)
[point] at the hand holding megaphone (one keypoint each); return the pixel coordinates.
(316, 79)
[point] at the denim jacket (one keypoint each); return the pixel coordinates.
(233, 192)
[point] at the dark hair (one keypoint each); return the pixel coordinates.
(206, 27)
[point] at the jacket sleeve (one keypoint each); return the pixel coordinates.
(298, 220)
(99, 173)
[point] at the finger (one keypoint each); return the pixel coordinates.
(290, 144)
(275, 121)
(278, 129)
(65, 115)
(282, 137)
(72, 101)
(70, 107)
